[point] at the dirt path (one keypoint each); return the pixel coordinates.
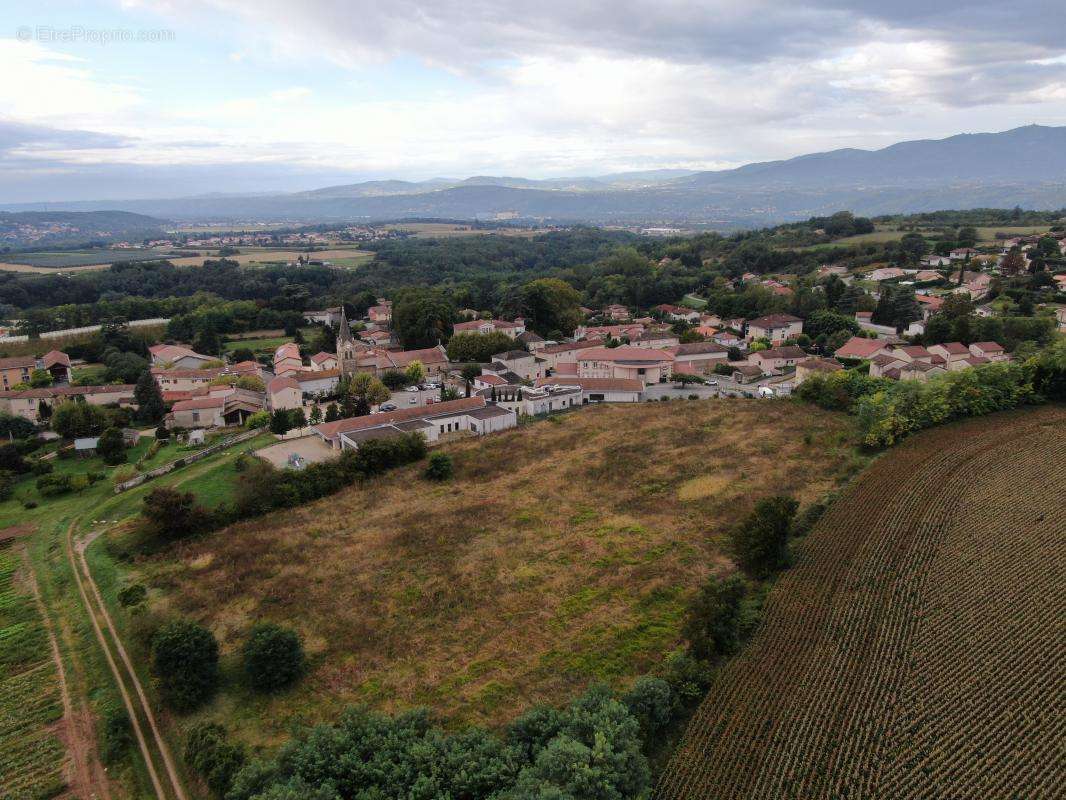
(140, 709)
(88, 778)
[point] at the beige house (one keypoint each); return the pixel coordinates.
(815, 366)
(512, 329)
(323, 361)
(774, 327)
(284, 393)
(526, 366)
(36, 404)
(776, 359)
(287, 359)
(950, 351)
(656, 340)
(466, 416)
(649, 366)
(993, 351)
(225, 407)
(565, 353)
(698, 358)
(600, 390)
(177, 357)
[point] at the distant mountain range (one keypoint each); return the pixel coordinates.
(37, 229)
(1024, 166)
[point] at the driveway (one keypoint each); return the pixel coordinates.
(310, 448)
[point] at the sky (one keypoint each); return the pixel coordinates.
(158, 98)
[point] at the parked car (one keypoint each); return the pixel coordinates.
(387, 407)
(411, 389)
(412, 400)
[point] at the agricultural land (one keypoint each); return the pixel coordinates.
(915, 650)
(561, 552)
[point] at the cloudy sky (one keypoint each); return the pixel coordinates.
(150, 98)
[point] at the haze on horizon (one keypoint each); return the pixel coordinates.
(241, 96)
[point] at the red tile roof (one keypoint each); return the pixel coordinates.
(624, 354)
(331, 430)
(595, 384)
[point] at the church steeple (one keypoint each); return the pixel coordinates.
(345, 333)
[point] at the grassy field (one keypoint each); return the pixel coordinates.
(444, 230)
(267, 344)
(915, 650)
(31, 753)
(561, 552)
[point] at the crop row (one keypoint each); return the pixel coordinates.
(877, 646)
(31, 756)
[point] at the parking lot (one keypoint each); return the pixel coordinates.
(310, 448)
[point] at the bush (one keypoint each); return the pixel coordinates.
(760, 543)
(688, 677)
(123, 474)
(16, 427)
(260, 419)
(713, 623)
(170, 515)
(806, 521)
(132, 595)
(11, 459)
(111, 448)
(162, 434)
(185, 660)
(439, 467)
(117, 735)
(7, 485)
(55, 485)
(273, 657)
(209, 752)
(29, 504)
(41, 467)
(652, 703)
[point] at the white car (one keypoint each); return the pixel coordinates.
(411, 389)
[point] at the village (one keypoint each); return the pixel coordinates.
(616, 354)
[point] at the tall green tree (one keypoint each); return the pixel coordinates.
(760, 542)
(422, 318)
(150, 406)
(551, 306)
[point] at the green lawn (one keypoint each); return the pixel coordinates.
(267, 345)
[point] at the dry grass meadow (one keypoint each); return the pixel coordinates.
(561, 552)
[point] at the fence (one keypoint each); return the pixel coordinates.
(189, 459)
(137, 323)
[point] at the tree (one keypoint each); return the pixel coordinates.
(111, 447)
(316, 414)
(394, 379)
(369, 389)
(760, 542)
(470, 372)
(713, 623)
(415, 373)
(185, 660)
(912, 247)
(242, 354)
(209, 751)
(281, 421)
(1013, 262)
(16, 427)
(549, 305)
(207, 342)
(439, 467)
(332, 414)
(480, 347)
(967, 237)
(11, 459)
(40, 378)
(72, 419)
(150, 406)
(422, 318)
(652, 702)
(169, 515)
(272, 657)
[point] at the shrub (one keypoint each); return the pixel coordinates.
(11, 459)
(652, 703)
(170, 515)
(41, 467)
(688, 677)
(185, 660)
(54, 485)
(132, 595)
(713, 622)
(273, 657)
(117, 735)
(806, 521)
(439, 467)
(7, 484)
(29, 504)
(260, 419)
(760, 542)
(123, 474)
(162, 434)
(209, 752)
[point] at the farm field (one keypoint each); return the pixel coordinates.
(560, 553)
(444, 230)
(51, 263)
(915, 650)
(32, 756)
